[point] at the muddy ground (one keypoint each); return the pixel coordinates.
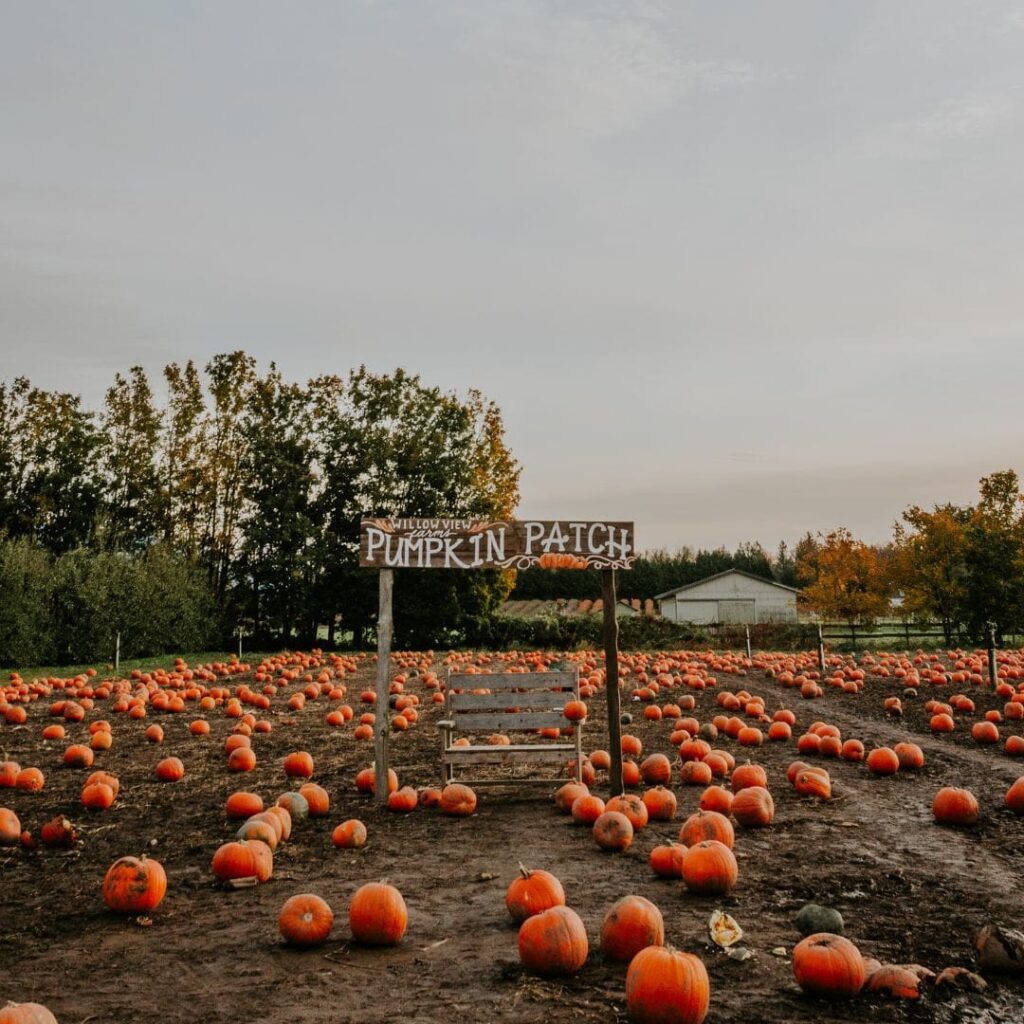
(908, 890)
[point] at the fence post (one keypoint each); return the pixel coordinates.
(993, 672)
(906, 630)
(117, 654)
(239, 643)
(750, 653)
(821, 651)
(853, 635)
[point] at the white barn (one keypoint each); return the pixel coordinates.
(732, 596)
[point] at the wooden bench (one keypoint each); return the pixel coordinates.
(517, 702)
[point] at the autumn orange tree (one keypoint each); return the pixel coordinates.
(844, 579)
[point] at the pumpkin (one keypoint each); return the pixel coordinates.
(660, 803)
(259, 828)
(9, 771)
(305, 920)
(630, 925)
(667, 861)
(753, 807)
(656, 769)
(243, 859)
(430, 796)
(707, 825)
(910, 755)
(813, 919)
(318, 800)
(134, 885)
(665, 986)
(601, 759)
(829, 966)
(243, 805)
(749, 775)
(283, 817)
(403, 800)
(953, 806)
(853, 750)
(883, 761)
(716, 798)
(170, 769)
(377, 915)
(613, 831)
(553, 942)
(985, 732)
(695, 773)
(241, 759)
(568, 794)
(295, 804)
(895, 982)
(709, 867)
(349, 835)
(97, 796)
(814, 782)
(26, 1013)
(299, 764)
(1014, 798)
(575, 710)
(587, 809)
(366, 780)
(58, 832)
(10, 827)
(632, 807)
(107, 779)
(457, 800)
(533, 892)
(79, 756)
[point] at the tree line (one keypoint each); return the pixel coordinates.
(959, 565)
(244, 488)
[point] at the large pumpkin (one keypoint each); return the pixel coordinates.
(829, 966)
(243, 859)
(613, 831)
(631, 924)
(305, 920)
(377, 915)
(553, 942)
(533, 892)
(632, 807)
(133, 885)
(457, 800)
(753, 807)
(665, 986)
(349, 835)
(26, 1013)
(953, 806)
(709, 867)
(707, 825)
(10, 827)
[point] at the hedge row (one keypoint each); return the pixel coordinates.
(67, 609)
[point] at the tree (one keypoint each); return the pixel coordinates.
(388, 445)
(276, 569)
(844, 579)
(994, 558)
(751, 557)
(929, 565)
(134, 509)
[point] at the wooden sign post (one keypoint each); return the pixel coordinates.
(389, 544)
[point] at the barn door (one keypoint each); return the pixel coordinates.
(735, 611)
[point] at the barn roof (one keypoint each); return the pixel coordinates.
(719, 575)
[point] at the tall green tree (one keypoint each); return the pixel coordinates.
(389, 445)
(277, 566)
(135, 501)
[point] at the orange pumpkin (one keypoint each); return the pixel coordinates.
(829, 966)
(26, 1013)
(318, 800)
(632, 807)
(243, 859)
(587, 809)
(630, 925)
(10, 827)
(707, 825)
(661, 803)
(377, 915)
(613, 831)
(457, 800)
(305, 920)
(1014, 799)
(749, 775)
(403, 800)
(667, 861)
(299, 765)
(349, 835)
(664, 986)
(170, 769)
(533, 892)
(553, 942)
(243, 805)
(709, 867)
(953, 806)
(753, 807)
(134, 885)
(910, 755)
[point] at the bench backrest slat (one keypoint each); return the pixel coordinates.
(520, 701)
(514, 681)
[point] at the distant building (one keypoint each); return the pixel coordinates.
(732, 596)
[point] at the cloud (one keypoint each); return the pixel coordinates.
(969, 117)
(597, 75)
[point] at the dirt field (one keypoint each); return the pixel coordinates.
(909, 890)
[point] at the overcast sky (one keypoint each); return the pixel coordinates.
(731, 270)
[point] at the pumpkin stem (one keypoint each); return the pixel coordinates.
(525, 872)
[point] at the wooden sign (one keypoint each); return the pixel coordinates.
(494, 544)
